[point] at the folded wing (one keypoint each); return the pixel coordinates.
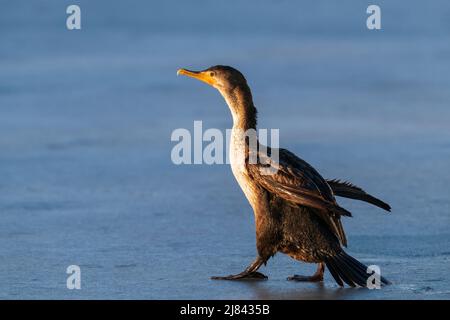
(347, 190)
(300, 184)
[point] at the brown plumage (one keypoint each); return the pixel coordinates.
(295, 209)
(349, 190)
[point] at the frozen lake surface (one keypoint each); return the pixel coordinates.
(86, 117)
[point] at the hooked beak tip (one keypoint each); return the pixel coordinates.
(182, 72)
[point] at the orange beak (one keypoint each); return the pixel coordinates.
(199, 75)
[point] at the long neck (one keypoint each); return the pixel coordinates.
(241, 105)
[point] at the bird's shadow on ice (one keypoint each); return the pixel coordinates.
(305, 291)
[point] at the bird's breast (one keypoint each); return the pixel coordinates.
(239, 169)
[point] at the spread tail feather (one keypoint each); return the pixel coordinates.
(347, 190)
(346, 269)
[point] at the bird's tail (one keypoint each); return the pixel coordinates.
(346, 269)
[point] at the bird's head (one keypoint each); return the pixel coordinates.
(233, 87)
(223, 78)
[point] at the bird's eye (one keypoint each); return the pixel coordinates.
(212, 74)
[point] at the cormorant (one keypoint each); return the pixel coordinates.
(295, 209)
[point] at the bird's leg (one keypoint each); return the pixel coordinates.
(316, 277)
(249, 273)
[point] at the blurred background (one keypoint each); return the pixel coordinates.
(86, 118)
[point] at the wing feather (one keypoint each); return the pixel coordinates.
(297, 182)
